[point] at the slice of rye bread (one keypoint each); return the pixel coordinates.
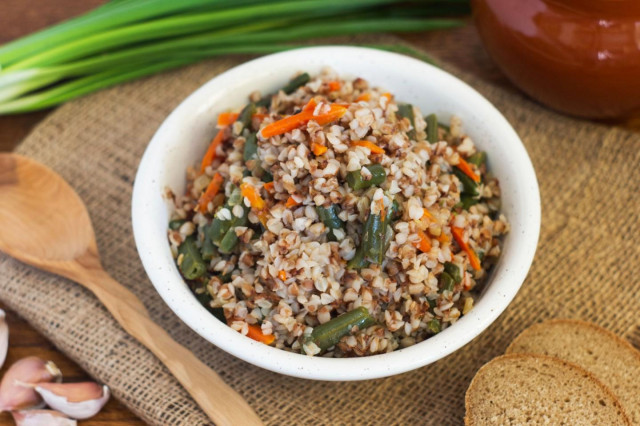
(519, 389)
(611, 359)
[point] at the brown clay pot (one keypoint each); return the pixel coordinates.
(580, 57)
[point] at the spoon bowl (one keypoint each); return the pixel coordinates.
(38, 203)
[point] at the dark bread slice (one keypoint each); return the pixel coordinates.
(522, 389)
(611, 359)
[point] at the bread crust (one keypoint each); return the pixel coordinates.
(469, 406)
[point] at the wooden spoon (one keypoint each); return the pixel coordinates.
(44, 223)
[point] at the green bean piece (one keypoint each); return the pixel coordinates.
(207, 250)
(246, 114)
(356, 181)
(219, 314)
(250, 148)
(446, 282)
(479, 158)
(230, 238)
(480, 254)
(469, 187)
(406, 111)
(329, 334)
(466, 202)
(175, 224)
(192, 265)
(219, 227)
(388, 237)
(298, 81)
(432, 128)
(453, 270)
(373, 238)
(393, 211)
(432, 303)
(434, 326)
(329, 216)
(266, 176)
(358, 261)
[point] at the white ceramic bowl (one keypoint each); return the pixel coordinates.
(183, 138)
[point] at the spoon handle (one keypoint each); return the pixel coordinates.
(221, 403)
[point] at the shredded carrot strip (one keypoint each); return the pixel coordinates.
(364, 97)
(255, 332)
(291, 202)
(473, 257)
(426, 213)
(294, 121)
(318, 149)
(210, 155)
(375, 149)
(334, 113)
(227, 118)
(467, 170)
(424, 244)
(334, 85)
(310, 106)
(210, 192)
(269, 187)
(282, 274)
(259, 116)
(442, 238)
(387, 95)
(250, 193)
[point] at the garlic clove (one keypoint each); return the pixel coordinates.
(4, 337)
(16, 388)
(41, 418)
(77, 400)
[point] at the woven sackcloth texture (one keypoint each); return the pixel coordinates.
(586, 266)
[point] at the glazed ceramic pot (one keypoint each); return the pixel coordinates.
(580, 57)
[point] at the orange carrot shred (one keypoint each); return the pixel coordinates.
(227, 118)
(442, 238)
(334, 85)
(259, 116)
(364, 97)
(426, 213)
(255, 332)
(473, 257)
(269, 187)
(387, 95)
(291, 202)
(212, 189)
(467, 170)
(318, 149)
(250, 193)
(294, 121)
(282, 275)
(424, 244)
(375, 149)
(210, 155)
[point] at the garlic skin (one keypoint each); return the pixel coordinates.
(77, 400)
(41, 418)
(4, 337)
(16, 388)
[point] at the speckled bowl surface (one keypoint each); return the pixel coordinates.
(183, 137)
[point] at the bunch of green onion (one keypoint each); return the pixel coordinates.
(127, 39)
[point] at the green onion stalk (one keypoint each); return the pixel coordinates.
(128, 39)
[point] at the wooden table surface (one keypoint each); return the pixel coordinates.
(459, 46)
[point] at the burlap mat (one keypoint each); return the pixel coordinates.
(586, 266)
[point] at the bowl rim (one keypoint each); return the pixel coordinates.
(334, 369)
